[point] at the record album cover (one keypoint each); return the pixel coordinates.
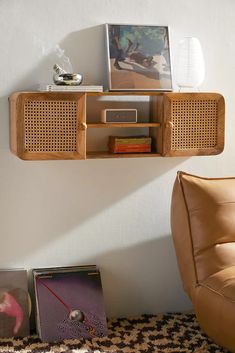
(14, 303)
(69, 303)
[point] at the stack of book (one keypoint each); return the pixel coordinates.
(60, 88)
(131, 144)
(69, 303)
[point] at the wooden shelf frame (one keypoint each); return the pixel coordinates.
(54, 125)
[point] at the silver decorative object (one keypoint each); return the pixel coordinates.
(61, 77)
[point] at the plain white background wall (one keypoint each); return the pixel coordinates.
(114, 213)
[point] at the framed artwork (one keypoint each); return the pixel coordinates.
(138, 58)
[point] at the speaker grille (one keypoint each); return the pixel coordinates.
(50, 126)
(194, 124)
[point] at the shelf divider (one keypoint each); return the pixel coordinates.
(121, 125)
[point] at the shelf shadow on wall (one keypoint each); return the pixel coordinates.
(142, 279)
(88, 54)
(44, 201)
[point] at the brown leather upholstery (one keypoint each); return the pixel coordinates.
(203, 229)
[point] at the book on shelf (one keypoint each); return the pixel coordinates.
(69, 303)
(130, 144)
(61, 88)
(14, 303)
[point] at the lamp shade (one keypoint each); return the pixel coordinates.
(190, 66)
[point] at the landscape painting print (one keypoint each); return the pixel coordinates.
(138, 57)
(69, 304)
(14, 304)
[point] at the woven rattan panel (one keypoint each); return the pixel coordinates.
(50, 126)
(194, 124)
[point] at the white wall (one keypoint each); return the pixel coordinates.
(114, 213)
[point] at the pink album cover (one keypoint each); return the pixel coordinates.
(14, 303)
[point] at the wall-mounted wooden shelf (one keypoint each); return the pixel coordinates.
(49, 125)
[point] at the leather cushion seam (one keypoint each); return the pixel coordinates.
(216, 292)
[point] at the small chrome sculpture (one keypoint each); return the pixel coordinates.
(61, 77)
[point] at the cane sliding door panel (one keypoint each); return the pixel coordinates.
(193, 124)
(48, 125)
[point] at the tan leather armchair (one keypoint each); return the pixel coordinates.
(203, 229)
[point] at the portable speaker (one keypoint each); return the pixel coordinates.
(119, 115)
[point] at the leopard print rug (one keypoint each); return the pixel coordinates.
(145, 334)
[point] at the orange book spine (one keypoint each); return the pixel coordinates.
(132, 148)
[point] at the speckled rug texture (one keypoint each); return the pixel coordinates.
(145, 334)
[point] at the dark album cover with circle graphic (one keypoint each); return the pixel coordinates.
(69, 304)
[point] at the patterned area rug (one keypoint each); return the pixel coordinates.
(145, 334)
